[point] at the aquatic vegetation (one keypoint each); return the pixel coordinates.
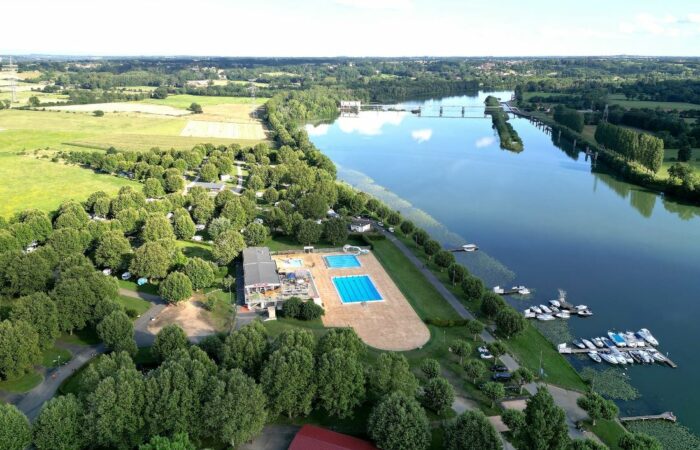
(672, 436)
(555, 331)
(610, 383)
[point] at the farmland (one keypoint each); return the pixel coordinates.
(28, 139)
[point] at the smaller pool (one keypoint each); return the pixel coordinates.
(356, 289)
(295, 262)
(342, 261)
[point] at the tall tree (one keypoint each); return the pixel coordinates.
(117, 332)
(59, 425)
(200, 272)
(168, 340)
(175, 288)
(179, 441)
(471, 430)
(438, 395)
(341, 382)
(113, 251)
(342, 338)
(40, 312)
(510, 322)
(15, 433)
(544, 425)
(246, 349)
(289, 382)
(399, 423)
(392, 373)
(227, 246)
(19, 348)
(639, 441)
(597, 407)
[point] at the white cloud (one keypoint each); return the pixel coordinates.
(369, 123)
(377, 4)
(662, 26)
(317, 130)
(421, 136)
(485, 141)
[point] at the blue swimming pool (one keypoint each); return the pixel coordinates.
(342, 261)
(356, 289)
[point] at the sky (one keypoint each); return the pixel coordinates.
(351, 27)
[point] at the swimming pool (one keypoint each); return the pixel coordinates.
(342, 261)
(356, 289)
(295, 262)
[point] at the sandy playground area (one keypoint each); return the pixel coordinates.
(390, 324)
(190, 316)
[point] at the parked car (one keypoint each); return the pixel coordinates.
(501, 376)
(484, 353)
(499, 368)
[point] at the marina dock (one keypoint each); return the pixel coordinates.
(574, 351)
(668, 415)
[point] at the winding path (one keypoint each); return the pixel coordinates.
(31, 402)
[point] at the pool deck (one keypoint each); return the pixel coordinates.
(390, 324)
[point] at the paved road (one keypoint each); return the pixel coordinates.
(239, 176)
(31, 402)
(565, 399)
(273, 437)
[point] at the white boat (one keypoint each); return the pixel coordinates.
(617, 339)
(608, 358)
(598, 342)
(594, 356)
(529, 314)
(555, 303)
(545, 309)
(545, 317)
(554, 309)
(631, 339)
(647, 336)
(618, 356)
(498, 290)
(657, 355)
(648, 359)
(584, 312)
(536, 309)
(579, 344)
(470, 247)
(563, 315)
(524, 291)
(588, 344)
(580, 307)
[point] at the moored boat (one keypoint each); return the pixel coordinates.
(555, 303)
(617, 339)
(607, 342)
(594, 356)
(588, 344)
(536, 309)
(545, 317)
(647, 336)
(545, 309)
(608, 358)
(579, 344)
(598, 342)
(563, 315)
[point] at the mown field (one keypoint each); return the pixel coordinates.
(620, 99)
(32, 182)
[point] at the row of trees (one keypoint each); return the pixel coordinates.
(507, 135)
(569, 118)
(642, 148)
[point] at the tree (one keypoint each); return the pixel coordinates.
(161, 92)
(341, 382)
(342, 338)
(271, 195)
(152, 188)
(183, 225)
(494, 391)
(392, 373)
(497, 348)
(474, 369)
(407, 227)
(151, 260)
(457, 273)
(168, 340)
(431, 248)
(438, 395)
(113, 250)
(294, 338)
(180, 441)
(685, 153)
(117, 332)
(544, 425)
(312, 206)
(474, 327)
(246, 349)
(234, 410)
(69, 241)
(471, 430)
(200, 272)
(255, 234)
(227, 246)
(586, 444)
(196, 108)
(15, 433)
(310, 311)
(473, 288)
(218, 226)
(209, 172)
(175, 288)
(597, 407)
(461, 348)
(569, 117)
(335, 231)
(430, 368)
(59, 425)
(399, 423)
(19, 348)
(420, 237)
(444, 259)
(40, 311)
(288, 381)
(522, 376)
(639, 441)
(157, 227)
(491, 304)
(309, 232)
(292, 307)
(509, 322)
(98, 113)
(34, 101)
(513, 419)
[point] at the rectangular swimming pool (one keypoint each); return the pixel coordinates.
(356, 289)
(342, 261)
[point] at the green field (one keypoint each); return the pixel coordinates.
(137, 304)
(55, 356)
(23, 384)
(528, 95)
(184, 101)
(670, 156)
(620, 99)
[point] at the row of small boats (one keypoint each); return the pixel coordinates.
(615, 356)
(637, 347)
(555, 310)
(521, 290)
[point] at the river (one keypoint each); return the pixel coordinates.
(545, 219)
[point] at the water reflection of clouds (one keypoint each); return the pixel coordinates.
(369, 123)
(317, 130)
(421, 136)
(485, 141)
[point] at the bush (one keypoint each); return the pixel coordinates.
(98, 113)
(296, 308)
(310, 311)
(292, 307)
(447, 323)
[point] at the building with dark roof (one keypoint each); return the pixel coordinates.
(259, 276)
(315, 438)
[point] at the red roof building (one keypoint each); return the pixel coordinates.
(315, 438)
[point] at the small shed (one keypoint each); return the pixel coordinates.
(360, 225)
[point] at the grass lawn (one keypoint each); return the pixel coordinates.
(528, 95)
(53, 357)
(137, 304)
(22, 384)
(184, 101)
(670, 156)
(620, 99)
(147, 288)
(193, 249)
(86, 336)
(609, 431)
(280, 243)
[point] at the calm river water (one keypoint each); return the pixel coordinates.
(544, 219)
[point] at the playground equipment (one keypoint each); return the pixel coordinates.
(354, 250)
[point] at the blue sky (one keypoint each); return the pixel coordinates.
(352, 27)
